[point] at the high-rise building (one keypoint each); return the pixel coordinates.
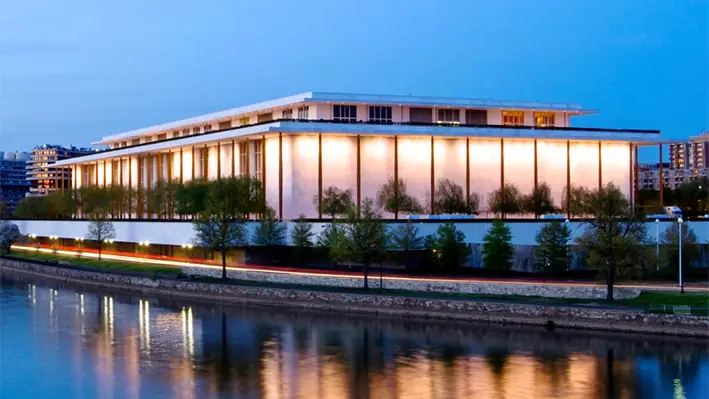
(43, 176)
(13, 178)
(691, 154)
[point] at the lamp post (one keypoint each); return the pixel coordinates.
(681, 283)
(567, 222)
(657, 243)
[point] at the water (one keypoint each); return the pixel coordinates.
(61, 342)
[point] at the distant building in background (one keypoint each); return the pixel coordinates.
(688, 161)
(13, 178)
(43, 176)
(691, 154)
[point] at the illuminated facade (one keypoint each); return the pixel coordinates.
(300, 145)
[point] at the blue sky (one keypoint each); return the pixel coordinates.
(76, 70)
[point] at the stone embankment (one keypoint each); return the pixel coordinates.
(540, 289)
(582, 317)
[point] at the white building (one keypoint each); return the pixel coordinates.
(300, 145)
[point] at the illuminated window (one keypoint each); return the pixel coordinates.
(344, 113)
(244, 121)
(243, 157)
(543, 119)
(258, 158)
(379, 114)
(513, 118)
(287, 114)
(447, 115)
(304, 112)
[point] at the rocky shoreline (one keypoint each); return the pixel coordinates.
(556, 316)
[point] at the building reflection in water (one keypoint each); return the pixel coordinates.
(189, 351)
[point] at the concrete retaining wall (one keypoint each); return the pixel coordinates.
(561, 316)
(549, 290)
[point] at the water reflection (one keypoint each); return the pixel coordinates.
(99, 345)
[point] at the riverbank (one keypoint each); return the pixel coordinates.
(557, 316)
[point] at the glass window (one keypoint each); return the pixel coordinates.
(513, 118)
(224, 125)
(287, 114)
(207, 128)
(344, 113)
(244, 121)
(304, 112)
(258, 159)
(195, 130)
(379, 114)
(543, 119)
(243, 157)
(162, 136)
(447, 115)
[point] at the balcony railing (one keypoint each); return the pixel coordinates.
(380, 123)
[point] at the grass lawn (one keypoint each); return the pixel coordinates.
(664, 298)
(112, 265)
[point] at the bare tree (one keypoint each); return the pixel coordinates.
(101, 230)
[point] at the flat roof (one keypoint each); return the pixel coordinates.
(351, 97)
(635, 136)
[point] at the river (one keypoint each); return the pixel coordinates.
(60, 341)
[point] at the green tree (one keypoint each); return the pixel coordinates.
(9, 234)
(614, 239)
(575, 206)
(100, 230)
(333, 239)
(394, 198)
(335, 202)
(693, 196)
(690, 250)
(221, 225)
(405, 238)
(505, 201)
(498, 251)
(302, 237)
(449, 247)
(539, 201)
(365, 234)
(269, 231)
(552, 251)
(162, 198)
(450, 198)
(31, 208)
(191, 198)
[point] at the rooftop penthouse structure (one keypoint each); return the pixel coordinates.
(300, 145)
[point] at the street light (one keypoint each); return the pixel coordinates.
(657, 242)
(681, 283)
(567, 222)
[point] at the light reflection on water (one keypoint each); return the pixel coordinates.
(62, 342)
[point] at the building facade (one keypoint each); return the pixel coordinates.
(13, 178)
(42, 173)
(300, 145)
(692, 154)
